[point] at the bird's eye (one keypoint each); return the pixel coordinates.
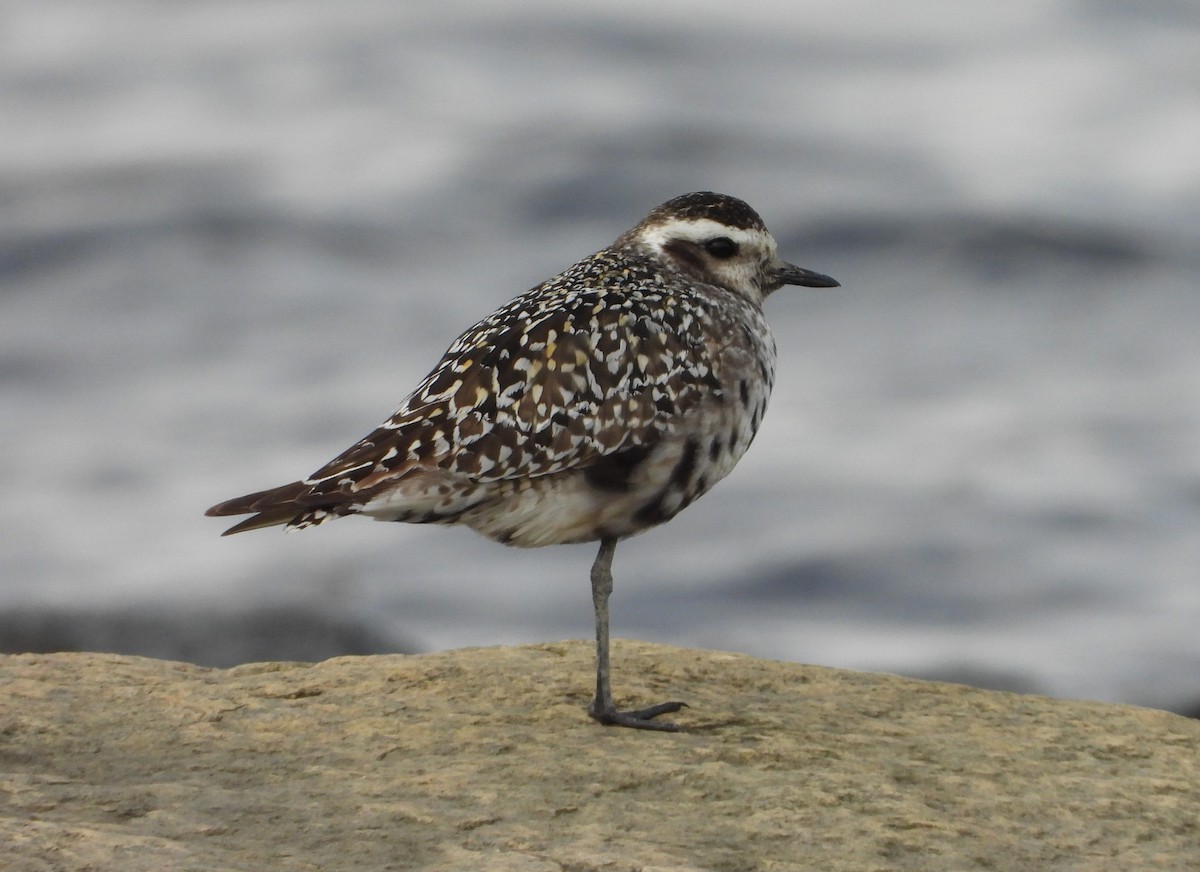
(721, 248)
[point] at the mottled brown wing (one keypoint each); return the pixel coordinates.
(549, 383)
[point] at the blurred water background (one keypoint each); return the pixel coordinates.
(234, 234)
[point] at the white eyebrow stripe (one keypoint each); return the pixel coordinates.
(697, 229)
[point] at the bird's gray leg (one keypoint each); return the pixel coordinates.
(602, 707)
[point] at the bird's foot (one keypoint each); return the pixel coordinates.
(643, 719)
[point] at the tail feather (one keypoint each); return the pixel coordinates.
(286, 504)
(265, 519)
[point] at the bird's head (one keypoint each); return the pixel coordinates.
(719, 240)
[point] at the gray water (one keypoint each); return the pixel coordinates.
(234, 234)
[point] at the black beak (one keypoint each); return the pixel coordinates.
(787, 274)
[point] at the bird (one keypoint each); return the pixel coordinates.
(595, 406)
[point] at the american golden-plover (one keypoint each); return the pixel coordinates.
(597, 405)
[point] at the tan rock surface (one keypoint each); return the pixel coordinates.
(483, 759)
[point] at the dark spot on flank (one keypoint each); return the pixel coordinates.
(614, 472)
(744, 391)
(682, 473)
(714, 449)
(652, 513)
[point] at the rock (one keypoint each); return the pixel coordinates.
(482, 759)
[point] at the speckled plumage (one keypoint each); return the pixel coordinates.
(592, 407)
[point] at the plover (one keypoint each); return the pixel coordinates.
(594, 406)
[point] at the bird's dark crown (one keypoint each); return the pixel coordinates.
(721, 208)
